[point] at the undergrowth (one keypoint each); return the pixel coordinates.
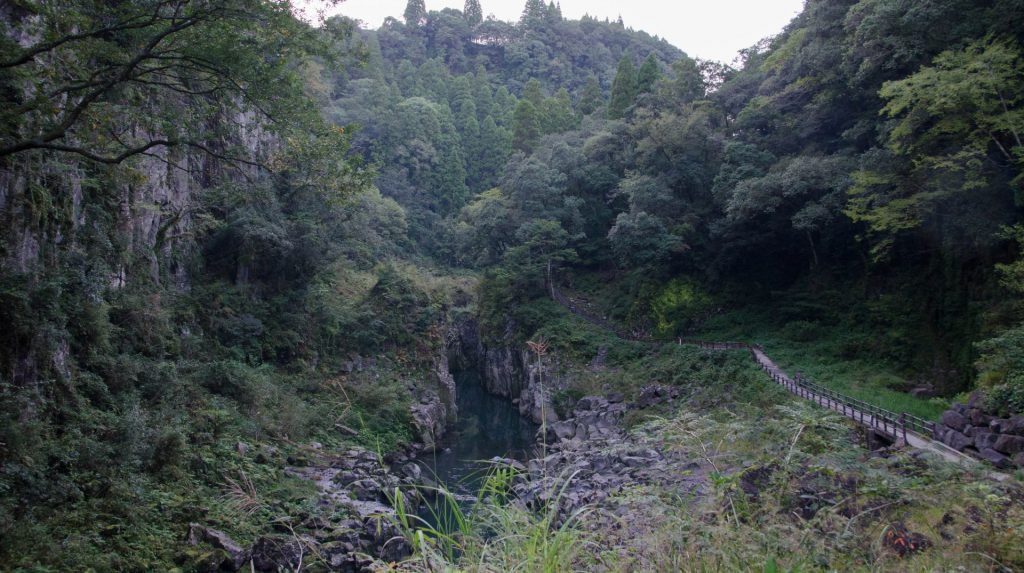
(837, 357)
(833, 341)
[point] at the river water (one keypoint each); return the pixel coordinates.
(487, 426)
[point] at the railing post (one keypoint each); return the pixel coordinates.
(903, 426)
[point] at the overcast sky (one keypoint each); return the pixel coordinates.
(709, 29)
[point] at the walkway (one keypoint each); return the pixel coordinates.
(901, 428)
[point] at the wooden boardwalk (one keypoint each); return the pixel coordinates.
(894, 427)
(903, 429)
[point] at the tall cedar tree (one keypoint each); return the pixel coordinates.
(533, 13)
(648, 75)
(526, 126)
(533, 93)
(558, 113)
(591, 98)
(624, 89)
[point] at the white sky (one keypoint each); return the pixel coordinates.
(709, 29)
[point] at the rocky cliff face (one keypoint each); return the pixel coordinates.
(435, 411)
(108, 226)
(508, 370)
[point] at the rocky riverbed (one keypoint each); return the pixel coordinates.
(590, 459)
(586, 460)
(357, 532)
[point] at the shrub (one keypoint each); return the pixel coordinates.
(801, 330)
(679, 304)
(1001, 368)
(233, 379)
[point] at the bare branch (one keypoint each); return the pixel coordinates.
(76, 112)
(133, 23)
(142, 149)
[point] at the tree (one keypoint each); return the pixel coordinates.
(109, 84)
(534, 93)
(537, 190)
(534, 14)
(640, 239)
(623, 89)
(423, 141)
(957, 130)
(415, 13)
(592, 97)
(648, 75)
(483, 97)
(472, 12)
(490, 227)
(558, 115)
(526, 126)
(406, 79)
(968, 103)
(688, 83)
(504, 106)
(434, 79)
(491, 153)
(542, 244)
(464, 109)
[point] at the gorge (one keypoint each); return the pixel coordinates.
(270, 287)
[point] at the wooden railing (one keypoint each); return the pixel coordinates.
(891, 424)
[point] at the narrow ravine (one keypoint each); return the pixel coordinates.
(488, 426)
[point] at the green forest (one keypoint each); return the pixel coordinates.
(242, 256)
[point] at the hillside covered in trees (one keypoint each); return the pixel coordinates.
(238, 249)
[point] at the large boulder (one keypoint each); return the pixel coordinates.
(978, 417)
(590, 404)
(234, 556)
(985, 440)
(383, 538)
(564, 430)
(1015, 426)
(430, 419)
(1009, 444)
(656, 394)
(955, 420)
(341, 556)
(995, 458)
(957, 441)
(275, 552)
(367, 490)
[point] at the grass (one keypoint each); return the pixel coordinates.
(492, 535)
(821, 359)
(789, 493)
(862, 349)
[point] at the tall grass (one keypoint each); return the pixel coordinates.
(494, 533)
